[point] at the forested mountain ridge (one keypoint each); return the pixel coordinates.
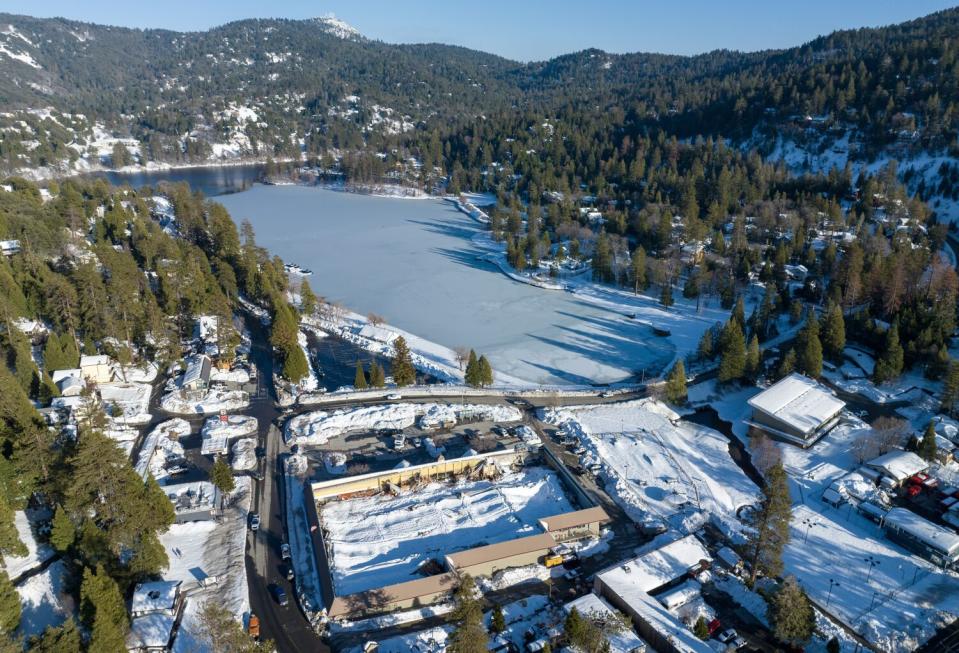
(252, 89)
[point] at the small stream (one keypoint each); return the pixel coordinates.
(707, 416)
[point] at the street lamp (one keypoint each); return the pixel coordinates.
(832, 584)
(808, 522)
(872, 561)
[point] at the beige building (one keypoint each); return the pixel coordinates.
(487, 560)
(575, 525)
(402, 596)
(98, 369)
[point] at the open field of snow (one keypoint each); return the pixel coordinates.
(906, 598)
(128, 403)
(379, 540)
(207, 551)
(37, 552)
(423, 254)
(656, 467)
(45, 600)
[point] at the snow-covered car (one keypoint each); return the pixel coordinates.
(254, 522)
(393, 396)
(285, 551)
(176, 470)
(738, 643)
(727, 636)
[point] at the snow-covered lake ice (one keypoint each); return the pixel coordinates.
(412, 261)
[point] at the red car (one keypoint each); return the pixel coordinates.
(713, 626)
(913, 491)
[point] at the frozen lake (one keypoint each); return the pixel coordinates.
(412, 261)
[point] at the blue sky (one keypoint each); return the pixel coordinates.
(524, 29)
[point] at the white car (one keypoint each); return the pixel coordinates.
(393, 396)
(285, 551)
(254, 522)
(727, 636)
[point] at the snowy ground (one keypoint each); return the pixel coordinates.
(906, 598)
(200, 551)
(424, 254)
(244, 454)
(379, 540)
(317, 427)
(45, 600)
(37, 552)
(658, 468)
(218, 431)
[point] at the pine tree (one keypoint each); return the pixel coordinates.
(666, 297)
(403, 371)
(307, 298)
(62, 639)
(359, 379)
(809, 359)
(638, 269)
(701, 629)
(739, 313)
(497, 622)
(9, 606)
(52, 353)
(705, 348)
(10, 543)
(469, 635)
(754, 359)
(787, 365)
(377, 375)
(950, 388)
(732, 362)
(770, 526)
(62, 532)
(927, 445)
(676, 384)
(485, 371)
(222, 476)
(834, 332)
(472, 374)
(890, 361)
(103, 611)
(792, 615)
(218, 630)
(833, 645)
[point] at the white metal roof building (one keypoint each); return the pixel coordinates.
(660, 567)
(932, 541)
(157, 596)
(151, 633)
(898, 465)
(625, 641)
(796, 409)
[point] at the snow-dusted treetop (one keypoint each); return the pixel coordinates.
(338, 28)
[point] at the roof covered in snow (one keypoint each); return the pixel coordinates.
(150, 632)
(197, 369)
(899, 464)
(154, 597)
(657, 568)
(923, 529)
(383, 596)
(799, 402)
(90, 361)
(624, 641)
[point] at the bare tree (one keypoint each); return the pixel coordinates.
(765, 453)
(864, 448)
(462, 355)
(374, 319)
(889, 433)
(335, 311)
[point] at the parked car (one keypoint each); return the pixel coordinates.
(285, 551)
(280, 595)
(176, 470)
(289, 572)
(738, 643)
(498, 430)
(254, 522)
(393, 396)
(727, 636)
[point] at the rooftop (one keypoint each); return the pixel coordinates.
(657, 568)
(150, 632)
(102, 359)
(155, 596)
(198, 367)
(899, 464)
(799, 402)
(192, 497)
(344, 605)
(574, 519)
(624, 641)
(923, 529)
(493, 552)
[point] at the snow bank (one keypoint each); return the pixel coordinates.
(214, 401)
(37, 553)
(218, 431)
(161, 446)
(244, 454)
(128, 403)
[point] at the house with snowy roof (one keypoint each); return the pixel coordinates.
(796, 409)
(197, 374)
(9, 247)
(155, 609)
(898, 465)
(98, 369)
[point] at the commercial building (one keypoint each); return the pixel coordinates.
(412, 594)
(195, 501)
(933, 542)
(575, 525)
(796, 409)
(487, 560)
